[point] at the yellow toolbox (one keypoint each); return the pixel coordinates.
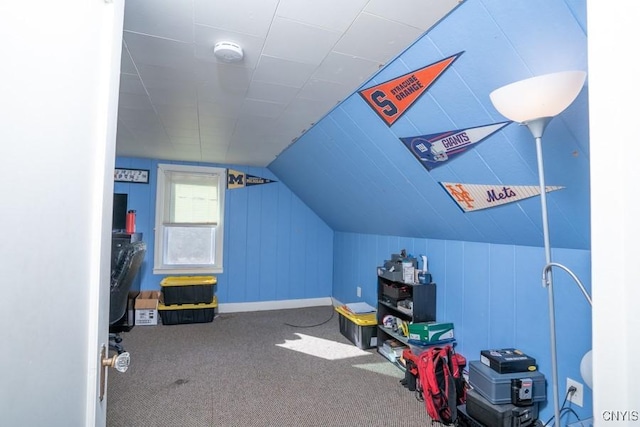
(188, 289)
(360, 329)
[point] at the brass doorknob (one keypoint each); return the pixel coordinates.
(119, 361)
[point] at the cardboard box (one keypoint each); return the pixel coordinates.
(146, 307)
(430, 331)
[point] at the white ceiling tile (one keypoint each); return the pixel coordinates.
(151, 136)
(322, 13)
(376, 39)
(134, 101)
(282, 72)
(424, 13)
(261, 124)
(300, 58)
(255, 107)
(176, 132)
(260, 155)
(156, 72)
(312, 108)
(126, 63)
(175, 95)
(211, 138)
(346, 69)
(310, 44)
(184, 141)
(141, 121)
(123, 133)
(213, 154)
(242, 16)
(271, 92)
(163, 18)
(149, 50)
(131, 84)
(186, 152)
(134, 149)
(218, 113)
(325, 91)
(224, 77)
(177, 116)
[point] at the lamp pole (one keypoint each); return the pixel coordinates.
(534, 102)
(537, 127)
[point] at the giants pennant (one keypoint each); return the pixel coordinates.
(436, 149)
(473, 197)
(393, 98)
(237, 179)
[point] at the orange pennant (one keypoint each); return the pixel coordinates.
(393, 98)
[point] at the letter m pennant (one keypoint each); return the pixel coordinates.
(391, 99)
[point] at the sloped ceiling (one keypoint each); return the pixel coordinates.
(355, 172)
(178, 101)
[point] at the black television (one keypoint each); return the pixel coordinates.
(119, 211)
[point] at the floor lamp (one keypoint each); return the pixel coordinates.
(534, 102)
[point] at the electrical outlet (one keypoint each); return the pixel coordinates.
(575, 397)
(358, 291)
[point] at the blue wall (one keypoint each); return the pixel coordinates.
(276, 248)
(492, 293)
(353, 160)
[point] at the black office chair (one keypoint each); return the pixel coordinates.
(125, 271)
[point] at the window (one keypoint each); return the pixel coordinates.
(189, 219)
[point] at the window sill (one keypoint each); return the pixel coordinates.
(187, 271)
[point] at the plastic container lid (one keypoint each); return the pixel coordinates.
(188, 280)
(212, 304)
(367, 319)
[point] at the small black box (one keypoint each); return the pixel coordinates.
(508, 360)
(507, 415)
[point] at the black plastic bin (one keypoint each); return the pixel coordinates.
(188, 289)
(187, 313)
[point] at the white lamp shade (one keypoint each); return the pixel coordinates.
(542, 96)
(586, 369)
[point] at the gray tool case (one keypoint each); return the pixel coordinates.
(496, 388)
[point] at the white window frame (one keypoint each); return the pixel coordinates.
(159, 248)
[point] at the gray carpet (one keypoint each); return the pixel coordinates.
(231, 372)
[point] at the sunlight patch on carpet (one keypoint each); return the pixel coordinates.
(384, 368)
(325, 349)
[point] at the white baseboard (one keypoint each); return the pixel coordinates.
(273, 305)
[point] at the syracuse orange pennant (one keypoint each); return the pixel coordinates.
(391, 99)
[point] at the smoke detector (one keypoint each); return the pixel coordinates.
(228, 51)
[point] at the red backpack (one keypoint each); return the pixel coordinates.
(443, 386)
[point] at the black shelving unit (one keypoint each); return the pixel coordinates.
(391, 293)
